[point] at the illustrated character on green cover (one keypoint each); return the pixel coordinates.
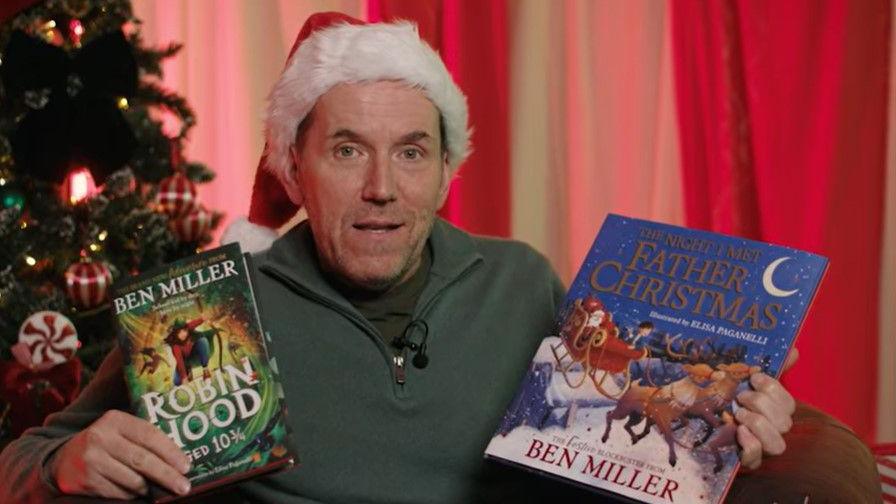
(190, 347)
(151, 361)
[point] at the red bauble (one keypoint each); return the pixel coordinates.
(87, 284)
(192, 226)
(177, 196)
(78, 186)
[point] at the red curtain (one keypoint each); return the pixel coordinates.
(782, 114)
(472, 38)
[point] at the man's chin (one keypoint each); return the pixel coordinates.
(374, 279)
(374, 272)
(372, 283)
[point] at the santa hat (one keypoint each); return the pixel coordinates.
(592, 304)
(331, 49)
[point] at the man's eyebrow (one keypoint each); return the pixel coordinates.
(414, 136)
(346, 134)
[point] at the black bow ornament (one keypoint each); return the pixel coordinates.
(71, 102)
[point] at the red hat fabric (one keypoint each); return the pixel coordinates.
(270, 205)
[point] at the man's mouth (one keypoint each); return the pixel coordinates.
(377, 226)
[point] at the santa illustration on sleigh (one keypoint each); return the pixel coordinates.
(590, 347)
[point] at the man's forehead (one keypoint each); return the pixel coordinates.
(379, 99)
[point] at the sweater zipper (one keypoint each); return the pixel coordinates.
(398, 357)
(398, 367)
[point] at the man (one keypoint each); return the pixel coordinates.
(365, 129)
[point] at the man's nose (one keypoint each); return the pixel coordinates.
(379, 185)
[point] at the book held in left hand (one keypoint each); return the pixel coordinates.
(634, 390)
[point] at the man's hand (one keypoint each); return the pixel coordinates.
(764, 416)
(115, 456)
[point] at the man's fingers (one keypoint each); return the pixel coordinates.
(145, 450)
(792, 356)
(765, 413)
(768, 436)
(124, 477)
(751, 448)
(148, 464)
(763, 404)
(106, 469)
(99, 485)
(771, 387)
(143, 433)
(115, 456)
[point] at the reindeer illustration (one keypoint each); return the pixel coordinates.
(660, 406)
(723, 438)
(713, 401)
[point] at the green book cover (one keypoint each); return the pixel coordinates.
(198, 368)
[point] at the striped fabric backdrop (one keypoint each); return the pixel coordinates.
(886, 466)
(583, 107)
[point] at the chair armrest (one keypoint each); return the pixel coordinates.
(824, 461)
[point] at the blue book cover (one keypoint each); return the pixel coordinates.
(633, 391)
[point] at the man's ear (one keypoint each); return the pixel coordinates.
(291, 180)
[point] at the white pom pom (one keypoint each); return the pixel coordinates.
(251, 237)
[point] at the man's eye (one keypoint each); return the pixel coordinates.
(411, 154)
(346, 151)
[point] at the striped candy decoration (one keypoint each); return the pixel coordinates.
(87, 284)
(177, 195)
(50, 337)
(192, 226)
(886, 466)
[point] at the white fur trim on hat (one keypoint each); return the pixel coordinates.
(251, 237)
(356, 53)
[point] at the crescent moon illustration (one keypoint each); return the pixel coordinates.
(770, 287)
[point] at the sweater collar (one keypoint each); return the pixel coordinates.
(294, 256)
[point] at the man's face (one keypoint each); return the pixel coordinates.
(372, 173)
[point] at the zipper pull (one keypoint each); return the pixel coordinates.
(398, 364)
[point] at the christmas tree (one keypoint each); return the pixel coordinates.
(92, 188)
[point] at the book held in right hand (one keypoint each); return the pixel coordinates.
(633, 392)
(198, 367)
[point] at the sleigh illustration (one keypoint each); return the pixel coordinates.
(591, 348)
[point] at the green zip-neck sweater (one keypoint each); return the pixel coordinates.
(361, 435)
